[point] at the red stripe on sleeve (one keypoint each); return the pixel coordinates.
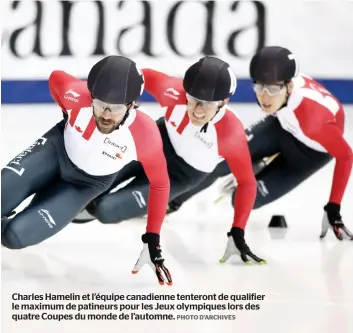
(73, 116)
(90, 129)
(169, 112)
(183, 123)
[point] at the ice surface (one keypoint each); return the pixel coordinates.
(307, 282)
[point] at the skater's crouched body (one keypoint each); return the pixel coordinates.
(61, 191)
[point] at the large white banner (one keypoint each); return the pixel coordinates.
(41, 36)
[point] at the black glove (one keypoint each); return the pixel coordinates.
(332, 219)
(151, 254)
(236, 245)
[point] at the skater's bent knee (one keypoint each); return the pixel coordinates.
(105, 213)
(11, 240)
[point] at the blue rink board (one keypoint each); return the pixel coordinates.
(36, 91)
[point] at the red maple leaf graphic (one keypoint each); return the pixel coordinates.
(78, 129)
(173, 123)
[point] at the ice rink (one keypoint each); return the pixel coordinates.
(307, 283)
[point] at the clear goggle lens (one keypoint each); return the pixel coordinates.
(272, 89)
(204, 104)
(114, 108)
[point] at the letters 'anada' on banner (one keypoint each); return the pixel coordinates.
(41, 36)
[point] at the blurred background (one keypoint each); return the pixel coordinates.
(41, 36)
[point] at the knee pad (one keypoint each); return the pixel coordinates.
(10, 240)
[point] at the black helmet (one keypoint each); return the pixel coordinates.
(210, 79)
(272, 64)
(115, 80)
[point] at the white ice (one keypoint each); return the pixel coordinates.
(308, 282)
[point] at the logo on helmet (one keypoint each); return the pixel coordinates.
(143, 80)
(292, 57)
(233, 81)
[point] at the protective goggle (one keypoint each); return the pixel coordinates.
(204, 104)
(114, 108)
(272, 89)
